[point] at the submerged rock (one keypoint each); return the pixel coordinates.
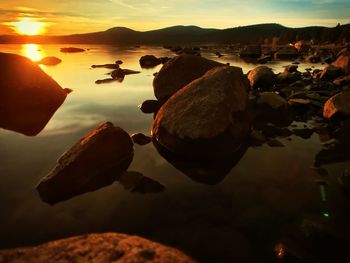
(118, 74)
(109, 66)
(338, 104)
(205, 118)
(71, 50)
(104, 247)
(261, 77)
(178, 72)
(149, 61)
(28, 96)
(49, 61)
(97, 160)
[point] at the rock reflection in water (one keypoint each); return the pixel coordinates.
(202, 169)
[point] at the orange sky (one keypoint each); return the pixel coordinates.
(80, 16)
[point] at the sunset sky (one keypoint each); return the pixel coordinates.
(60, 17)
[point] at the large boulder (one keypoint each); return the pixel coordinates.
(99, 248)
(178, 72)
(97, 160)
(288, 52)
(261, 77)
(343, 60)
(149, 61)
(204, 119)
(251, 51)
(338, 104)
(28, 96)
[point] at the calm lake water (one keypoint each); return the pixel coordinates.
(265, 200)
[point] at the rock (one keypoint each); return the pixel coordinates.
(328, 60)
(149, 61)
(109, 66)
(291, 68)
(49, 61)
(118, 74)
(272, 100)
(138, 183)
(288, 52)
(313, 59)
(28, 96)
(252, 51)
(287, 78)
(303, 133)
(302, 47)
(338, 104)
(97, 160)
(164, 60)
(343, 60)
(141, 139)
(343, 80)
(119, 62)
(264, 59)
(188, 51)
(330, 73)
(261, 77)
(275, 143)
(218, 54)
(103, 247)
(150, 106)
(71, 50)
(178, 72)
(336, 154)
(102, 81)
(204, 119)
(130, 71)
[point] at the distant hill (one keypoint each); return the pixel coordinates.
(179, 35)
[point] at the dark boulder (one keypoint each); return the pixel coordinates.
(150, 106)
(97, 160)
(28, 96)
(149, 61)
(251, 51)
(49, 61)
(330, 73)
(141, 139)
(118, 74)
(178, 72)
(109, 66)
(339, 104)
(103, 247)
(261, 77)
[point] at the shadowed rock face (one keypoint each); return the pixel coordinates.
(343, 60)
(203, 117)
(28, 96)
(97, 248)
(97, 160)
(178, 72)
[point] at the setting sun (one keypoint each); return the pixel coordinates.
(28, 26)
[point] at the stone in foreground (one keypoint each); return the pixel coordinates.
(261, 77)
(178, 72)
(206, 118)
(97, 160)
(338, 104)
(97, 248)
(28, 96)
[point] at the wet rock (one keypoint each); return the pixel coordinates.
(141, 139)
(97, 160)
(149, 61)
(275, 143)
(109, 66)
(313, 59)
(150, 106)
(130, 71)
(288, 52)
(252, 51)
(103, 247)
(261, 77)
(137, 182)
(264, 59)
(343, 80)
(338, 104)
(178, 72)
(164, 60)
(291, 68)
(102, 81)
(50, 61)
(330, 73)
(71, 50)
(196, 120)
(27, 103)
(118, 74)
(303, 133)
(343, 60)
(287, 78)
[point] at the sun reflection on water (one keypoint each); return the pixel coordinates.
(32, 51)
